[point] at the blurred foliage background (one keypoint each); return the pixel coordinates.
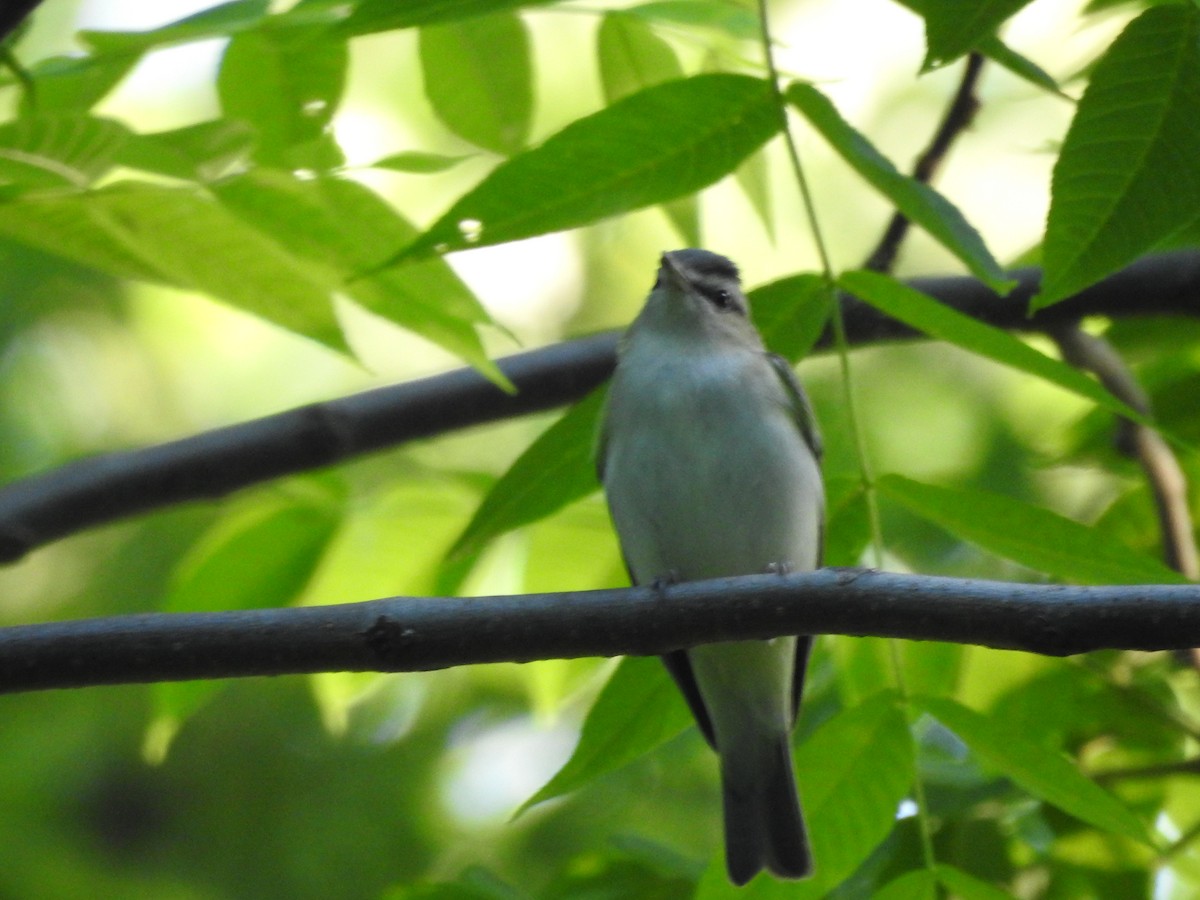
(181, 206)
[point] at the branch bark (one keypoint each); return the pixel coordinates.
(89, 492)
(422, 633)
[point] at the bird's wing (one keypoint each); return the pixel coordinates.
(681, 670)
(802, 410)
(806, 423)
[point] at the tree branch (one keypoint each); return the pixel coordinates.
(13, 13)
(1163, 472)
(88, 492)
(423, 633)
(958, 118)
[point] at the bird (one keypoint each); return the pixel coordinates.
(709, 454)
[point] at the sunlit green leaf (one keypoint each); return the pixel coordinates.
(922, 312)
(218, 21)
(968, 887)
(344, 227)
(847, 522)
(953, 29)
(791, 313)
(203, 151)
(370, 16)
(288, 82)
(1126, 178)
(918, 201)
(754, 178)
(853, 773)
(639, 709)
(632, 56)
(1032, 536)
(1044, 773)
(48, 151)
(920, 884)
(261, 556)
(735, 20)
(653, 146)
(182, 238)
(479, 79)
(74, 83)
(556, 469)
(999, 52)
(417, 162)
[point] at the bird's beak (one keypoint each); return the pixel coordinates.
(671, 274)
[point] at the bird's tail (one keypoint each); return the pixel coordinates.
(764, 828)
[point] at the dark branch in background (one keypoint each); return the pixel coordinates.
(1164, 474)
(958, 118)
(1161, 467)
(88, 492)
(100, 489)
(13, 13)
(420, 633)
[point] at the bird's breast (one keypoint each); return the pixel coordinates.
(706, 471)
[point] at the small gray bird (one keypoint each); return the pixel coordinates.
(709, 455)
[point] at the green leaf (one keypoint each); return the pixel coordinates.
(418, 162)
(1000, 53)
(919, 884)
(371, 16)
(639, 709)
(54, 151)
(848, 522)
(653, 146)
(754, 178)
(74, 84)
(218, 21)
(342, 227)
(1044, 773)
(968, 887)
(288, 83)
(556, 469)
(791, 313)
(632, 57)
(684, 215)
(261, 556)
(182, 238)
(1127, 178)
(935, 319)
(479, 80)
(953, 28)
(853, 773)
(201, 152)
(730, 18)
(1029, 535)
(919, 202)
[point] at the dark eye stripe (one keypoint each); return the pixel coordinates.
(719, 297)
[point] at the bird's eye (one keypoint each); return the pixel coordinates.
(722, 298)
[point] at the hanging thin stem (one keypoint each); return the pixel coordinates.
(839, 331)
(839, 327)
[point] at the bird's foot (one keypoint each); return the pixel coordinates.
(783, 567)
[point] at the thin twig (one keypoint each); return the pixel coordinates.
(422, 633)
(959, 116)
(1154, 770)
